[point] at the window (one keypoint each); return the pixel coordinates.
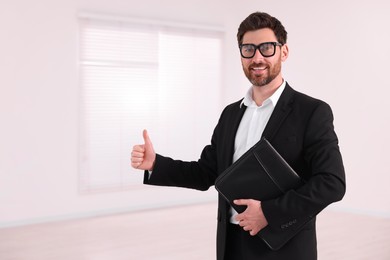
(137, 75)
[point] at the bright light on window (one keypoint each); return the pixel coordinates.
(136, 76)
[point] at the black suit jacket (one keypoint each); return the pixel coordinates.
(301, 130)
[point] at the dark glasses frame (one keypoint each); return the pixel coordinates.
(259, 47)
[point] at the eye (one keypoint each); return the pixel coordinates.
(267, 47)
(248, 48)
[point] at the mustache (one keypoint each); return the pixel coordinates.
(255, 65)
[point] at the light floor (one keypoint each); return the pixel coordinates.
(186, 233)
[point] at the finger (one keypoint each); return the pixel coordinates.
(137, 159)
(239, 217)
(254, 232)
(136, 164)
(135, 154)
(139, 148)
(246, 228)
(242, 223)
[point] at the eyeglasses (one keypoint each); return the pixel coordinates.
(267, 49)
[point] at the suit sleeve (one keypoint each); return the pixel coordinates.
(323, 171)
(198, 175)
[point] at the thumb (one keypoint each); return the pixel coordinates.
(241, 202)
(150, 155)
(146, 138)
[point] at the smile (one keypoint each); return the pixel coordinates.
(259, 68)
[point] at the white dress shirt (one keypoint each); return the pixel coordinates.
(252, 126)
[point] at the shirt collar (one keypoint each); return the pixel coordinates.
(248, 100)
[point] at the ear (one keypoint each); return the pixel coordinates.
(284, 52)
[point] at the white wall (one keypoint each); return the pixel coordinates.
(329, 44)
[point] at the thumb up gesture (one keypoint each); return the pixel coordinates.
(143, 155)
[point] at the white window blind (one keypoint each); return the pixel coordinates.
(140, 75)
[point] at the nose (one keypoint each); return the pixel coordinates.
(258, 56)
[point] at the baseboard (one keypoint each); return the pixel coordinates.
(106, 212)
(366, 212)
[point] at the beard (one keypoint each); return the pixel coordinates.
(265, 78)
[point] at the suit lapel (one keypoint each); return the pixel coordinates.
(282, 109)
(235, 120)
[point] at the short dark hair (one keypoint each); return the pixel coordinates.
(259, 20)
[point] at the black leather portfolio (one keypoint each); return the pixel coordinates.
(261, 174)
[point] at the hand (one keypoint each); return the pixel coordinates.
(143, 155)
(252, 219)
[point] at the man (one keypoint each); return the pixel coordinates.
(298, 126)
